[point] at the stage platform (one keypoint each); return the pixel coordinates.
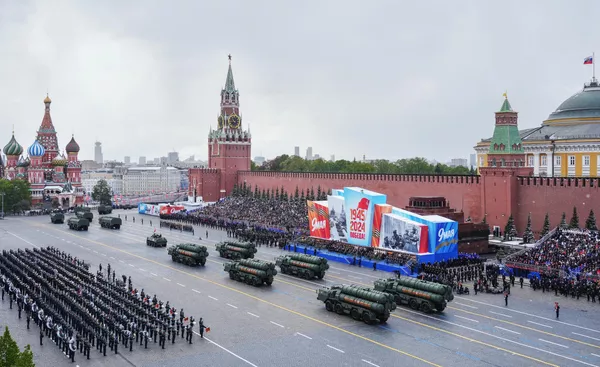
(347, 259)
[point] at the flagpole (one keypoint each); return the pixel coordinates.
(593, 66)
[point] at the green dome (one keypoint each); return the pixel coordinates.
(584, 104)
(13, 148)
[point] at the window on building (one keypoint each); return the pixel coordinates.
(480, 161)
(530, 161)
(544, 160)
(557, 160)
(586, 160)
(571, 160)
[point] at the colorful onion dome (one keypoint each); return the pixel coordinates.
(47, 99)
(20, 175)
(23, 162)
(36, 149)
(13, 148)
(59, 160)
(72, 147)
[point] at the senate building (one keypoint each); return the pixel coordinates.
(566, 144)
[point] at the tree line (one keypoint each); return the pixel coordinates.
(418, 165)
(510, 231)
(11, 355)
(278, 194)
(16, 195)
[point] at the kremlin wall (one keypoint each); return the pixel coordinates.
(567, 143)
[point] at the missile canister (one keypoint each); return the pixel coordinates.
(423, 285)
(368, 294)
(308, 259)
(360, 303)
(253, 272)
(421, 298)
(188, 253)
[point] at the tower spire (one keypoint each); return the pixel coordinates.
(229, 83)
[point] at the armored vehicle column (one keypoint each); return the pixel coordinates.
(250, 271)
(156, 240)
(104, 209)
(78, 224)
(57, 217)
(306, 266)
(188, 254)
(110, 222)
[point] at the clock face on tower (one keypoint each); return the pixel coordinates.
(234, 121)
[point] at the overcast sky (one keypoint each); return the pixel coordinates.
(387, 79)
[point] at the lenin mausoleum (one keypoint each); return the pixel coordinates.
(547, 169)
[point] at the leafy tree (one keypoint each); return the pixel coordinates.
(102, 193)
(546, 227)
(510, 231)
(528, 234)
(11, 356)
(55, 203)
(17, 196)
(563, 221)
(590, 222)
(574, 219)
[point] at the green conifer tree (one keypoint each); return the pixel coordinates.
(510, 231)
(297, 194)
(574, 224)
(563, 221)
(590, 222)
(528, 234)
(546, 227)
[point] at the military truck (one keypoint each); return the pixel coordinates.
(78, 224)
(104, 209)
(86, 215)
(361, 303)
(236, 250)
(188, 254)
(107, 221)
(57, 217)
(417, 294)
(306, 266)
(251, 271)
(156, 240)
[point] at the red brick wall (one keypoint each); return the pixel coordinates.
(555, 196)
(462, 192)
(207, 183)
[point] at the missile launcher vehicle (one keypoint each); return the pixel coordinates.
(305, 266)
(251, 271)
(417, 294)
(236, 250)
(361, 303)
(107, 221)
(188, 254)
(104, 209)
(156, 240)
(78, 224)
(85, 215)
(57, 217)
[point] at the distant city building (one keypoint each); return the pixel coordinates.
(473, 160)
(127, 159)
(142, 161)
(309, 154)
(297, 151)
(89, 179)
(316, 156)
(89, 165)
(156, 161)
(148, 180)
(163, 160)
(172, 157)
(98, 153)
(333, 158)
(458, 162)
(259, 161)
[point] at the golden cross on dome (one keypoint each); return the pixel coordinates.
(505, 94)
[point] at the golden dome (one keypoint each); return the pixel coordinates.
(47, 99)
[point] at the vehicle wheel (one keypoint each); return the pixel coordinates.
(231, 276)
(269, 280)
(355, 314)
(321, 275)
(366, 316)
(413, 304)
(384, 319)
(339, 309)
(440, 308)
(425, 307)
(329, 306)
(202, 262)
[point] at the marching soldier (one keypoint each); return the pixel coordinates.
(202, 327)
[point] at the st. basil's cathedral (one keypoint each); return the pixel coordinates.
(50, 173)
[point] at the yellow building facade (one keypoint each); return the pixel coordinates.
(567, 144)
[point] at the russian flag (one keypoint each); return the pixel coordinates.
(588, 60)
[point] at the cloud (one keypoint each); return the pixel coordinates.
(385, 79)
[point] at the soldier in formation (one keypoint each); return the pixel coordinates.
(78, 310)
